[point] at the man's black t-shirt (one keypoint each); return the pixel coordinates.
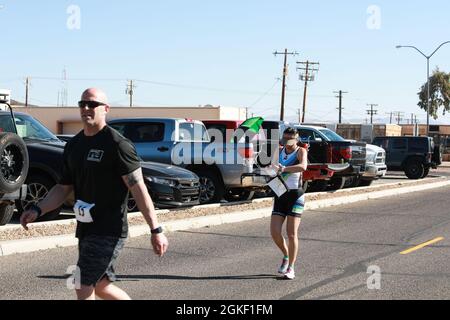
(95, 166)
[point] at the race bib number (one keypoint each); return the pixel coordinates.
(83, 211)
(278, 186)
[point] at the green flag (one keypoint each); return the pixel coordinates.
(250, 128)
(253, 124)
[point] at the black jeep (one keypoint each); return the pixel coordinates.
(13, 167)
(413, 155)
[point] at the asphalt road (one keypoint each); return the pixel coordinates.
(239, 261)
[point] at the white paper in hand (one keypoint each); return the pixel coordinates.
(278, 186)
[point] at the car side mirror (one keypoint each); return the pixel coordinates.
(318, 139)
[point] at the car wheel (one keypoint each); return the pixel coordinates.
(305, 185)
(13, 162)
(265, 193)
(414, 169)
(317, 186)
(425, 172)
(211, 188)
(239, 194)
(38, 186)
(6, 213)
(336, 183)
(352, 182)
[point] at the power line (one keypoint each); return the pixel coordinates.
(285, 71)
(308, 73)
(391, 114)
(372, 111)
(340, 92)
(399, 116)
(265, 93)
(130, 91)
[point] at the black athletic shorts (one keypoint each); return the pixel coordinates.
(97, 256)
(292, 203)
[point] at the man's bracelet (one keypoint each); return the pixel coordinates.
(37, 209)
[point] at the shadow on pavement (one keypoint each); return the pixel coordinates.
(174, 277)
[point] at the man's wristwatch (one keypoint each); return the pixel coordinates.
(157, 230)
(36, 208)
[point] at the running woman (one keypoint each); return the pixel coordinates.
(101, 167)
(293, 160)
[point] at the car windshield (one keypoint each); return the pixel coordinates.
(331, 135)
(27, 127)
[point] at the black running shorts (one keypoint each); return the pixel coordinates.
(292, 204)
(97, 257)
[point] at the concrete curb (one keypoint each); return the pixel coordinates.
(45, 243)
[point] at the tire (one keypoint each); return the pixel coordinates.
(437, 154)
(239, 194)
(365, 183)
(6, 213)
(414, 169)
(211, 187)
(352, 182)
(425, 173)
(336, 183)
(266, 193)
(317, 186)
(14, 162)
(38, 186)
(305, 186)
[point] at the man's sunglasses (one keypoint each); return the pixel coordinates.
(90, 104)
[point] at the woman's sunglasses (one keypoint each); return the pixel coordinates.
(90, 104)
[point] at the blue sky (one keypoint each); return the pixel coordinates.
(220, 52)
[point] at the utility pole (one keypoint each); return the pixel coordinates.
(390, 116)
(130, 91)
(27, 88)
(372, 112)
(308, 73)
(340, 92)
(285, 71)
(399, 116)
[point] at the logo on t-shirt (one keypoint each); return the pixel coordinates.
(95, 155)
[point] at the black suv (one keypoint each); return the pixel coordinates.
(413, 155)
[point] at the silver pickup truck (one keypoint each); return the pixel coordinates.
(225, 169)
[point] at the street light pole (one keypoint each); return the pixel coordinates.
(428, 78)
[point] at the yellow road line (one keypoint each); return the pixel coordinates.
(420, 246)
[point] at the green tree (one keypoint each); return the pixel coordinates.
(439, 93)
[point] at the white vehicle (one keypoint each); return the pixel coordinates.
(375, 164)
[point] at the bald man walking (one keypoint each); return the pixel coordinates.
(101, 167)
